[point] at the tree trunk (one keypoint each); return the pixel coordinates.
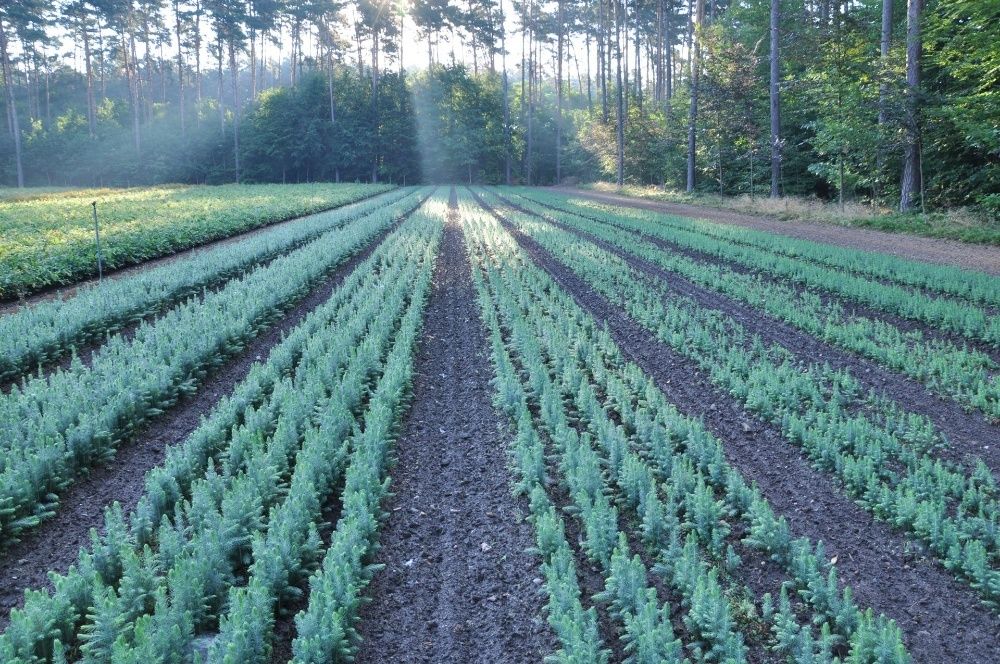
(658, 67)
(775, 104)
(375, 105)
(910, 185)
(883, 88)
(638, 63)
(197, 53)
(886, 43)
(162, 67)
(147, 58)
(100, 59)
(253, 65)
(91, 110)
(333, 106)
(48, 97)
(506, 102)
(531, 107)
(222, 108)
(180, 65)
(8, 86)
(668, 56)
(696, 19)
(590, 92)
(620, 129)
(603, 54)
(559, 93)
(132, 69)
(234, 70)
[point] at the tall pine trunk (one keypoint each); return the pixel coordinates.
(506, 101)
(197, 54)
(883, 88)
(132, 72)
(695, 40)
(234, 70)
(531, 106)
(775, 103)
(669, 63)
(559, 94)
(222, 107)
(8, 86)
(375, 105)
(910, 186)
(886, 43)
(620, 129)
(180, 65)
(91, 110)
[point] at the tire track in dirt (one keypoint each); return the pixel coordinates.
(970, 435)
(458, 585)
(54, 544)
(885, 570)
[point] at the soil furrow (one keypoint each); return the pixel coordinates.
(458, 585)
(931, 250)
(885, 570)
(53, 545)
(970, 436)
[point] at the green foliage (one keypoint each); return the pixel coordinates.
(273, 449)
(965, 374)
(676, 480)
(82, 413)
(41, 333)
(49, 240)
(459, 125)
(884, 456)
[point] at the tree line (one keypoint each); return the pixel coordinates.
(896, 102)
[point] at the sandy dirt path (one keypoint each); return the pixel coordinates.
(932, 250)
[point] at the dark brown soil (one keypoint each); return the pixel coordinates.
(969, 435)
(457, 585)
(66, 291)
(54, 544)
(932, 250)
(942, 620)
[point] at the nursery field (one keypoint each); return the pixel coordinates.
(504, 425)
(48, 234)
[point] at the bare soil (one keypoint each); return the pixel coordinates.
(943, 252)
(970, 436)
(458, 585)
(885, 570)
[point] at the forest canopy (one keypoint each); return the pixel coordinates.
(892, 102)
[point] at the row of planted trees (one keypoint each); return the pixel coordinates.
(892, 101)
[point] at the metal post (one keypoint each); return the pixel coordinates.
(97, 235)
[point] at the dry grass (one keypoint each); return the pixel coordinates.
(963, 224)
